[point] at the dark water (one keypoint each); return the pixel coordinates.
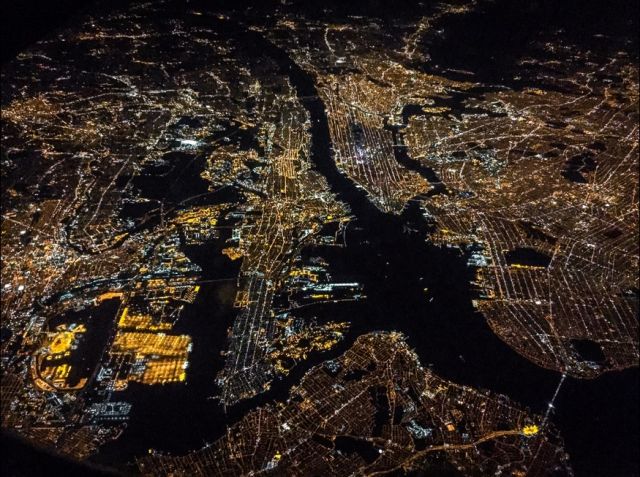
(527, 257)
(175, 180)
(180, 417)
(598, 418)
(400, 152)
(588, 350)
(577, 165)
(599, 421)
(492, 39)
(99, 322)
(413, 287)
(351, 445)
(396, 268)
(21, 459)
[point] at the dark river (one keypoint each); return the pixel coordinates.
(413, 287)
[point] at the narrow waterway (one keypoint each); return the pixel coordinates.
(423, 291)
(412, 287)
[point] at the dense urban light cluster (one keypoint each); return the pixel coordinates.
(211, 212)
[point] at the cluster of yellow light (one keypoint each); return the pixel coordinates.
(303, 272)
(530, 430)
(320, 296)
(109, 296)
(198, 216)
(63, 340)
(48, 377)
(164, 371)
(55, 373)
(123, 317)
(317, 339)
(19, 111)
(526, 267)
(232, 252)
(159, 344)
(435, 110)
(119, 237)
(54, 378)
(141, 322)
(177, 288)
(165, 356)
(155, 283)
(242, 299)
(57, 377)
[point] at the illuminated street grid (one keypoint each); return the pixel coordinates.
(550, 173)
(114, 165)
(553, 175)
(288, 212)
(378, 396)
(83, 135)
